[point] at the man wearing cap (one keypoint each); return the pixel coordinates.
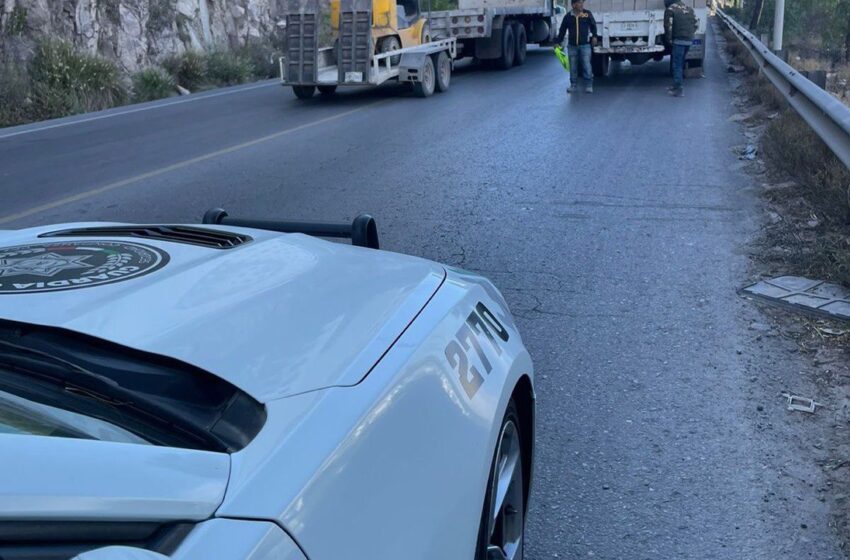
(582, 39)
(680, 26)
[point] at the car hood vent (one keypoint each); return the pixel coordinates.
(204, 237)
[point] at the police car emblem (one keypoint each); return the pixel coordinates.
(67, 265)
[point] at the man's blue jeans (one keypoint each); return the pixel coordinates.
(580, 54)
(679, 54)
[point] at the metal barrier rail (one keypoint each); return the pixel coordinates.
(828, 117)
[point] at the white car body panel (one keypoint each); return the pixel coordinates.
(317, 314)
(57, 478)
(376, 446)
(360, 461)
(216, 539)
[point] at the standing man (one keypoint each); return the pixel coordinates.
(680, 26)
(582, 39)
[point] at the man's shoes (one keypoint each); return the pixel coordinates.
(571, 89)
(588, 89)
(676, 92)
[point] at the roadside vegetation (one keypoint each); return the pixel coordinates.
(807, 187)
(58, 80)
(817, 35)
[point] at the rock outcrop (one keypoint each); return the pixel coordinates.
(138, 33)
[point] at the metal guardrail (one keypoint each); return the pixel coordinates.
(828, 117)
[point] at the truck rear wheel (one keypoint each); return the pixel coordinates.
(521, 44)
(506, 60)
(303, 92)
(427, 81)
(444, 71)
(600, 64)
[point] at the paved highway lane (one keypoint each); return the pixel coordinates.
(613, 223)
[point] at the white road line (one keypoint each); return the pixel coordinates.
(138, 110)
(179, 165)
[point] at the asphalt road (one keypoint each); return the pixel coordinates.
(612, 222)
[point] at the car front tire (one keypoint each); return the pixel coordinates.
(501, 534)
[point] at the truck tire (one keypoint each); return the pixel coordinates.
(443, 71)
(506, 60)
(425, 86)
(599, 64)
(521, 39)
(303, 92)
(390, 44)
(327, 90)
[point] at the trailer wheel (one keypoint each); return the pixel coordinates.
(444, 71)
(303, 92)
(425, 86)
(599, 64)
(505, 61)
(521, 44)
(327, 90)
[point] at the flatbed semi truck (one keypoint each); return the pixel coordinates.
(377, 41)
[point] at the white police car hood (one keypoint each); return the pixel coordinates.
(278, 315)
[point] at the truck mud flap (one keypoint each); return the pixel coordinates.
(302, 41)
(355, 41)
(410, 66)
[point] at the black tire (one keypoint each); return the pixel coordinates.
(521, 44)
(599, 64)
(303, 92)
(506, 60)
(484, 537)
(428, 81)
(388, 44)
(327, 90)
(443, 68)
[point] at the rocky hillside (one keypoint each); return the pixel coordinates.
(138, 33)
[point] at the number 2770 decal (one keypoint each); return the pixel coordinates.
(479, 326)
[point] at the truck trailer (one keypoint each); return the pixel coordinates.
(497, 30)
(377, 41)
(633, 30)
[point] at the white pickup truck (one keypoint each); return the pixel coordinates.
(633, 30)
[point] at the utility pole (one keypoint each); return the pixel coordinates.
(778, 25)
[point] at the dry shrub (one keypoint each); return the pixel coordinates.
(188, 69)
(824, 186)
(14, 93)
(763, 92)
(151, 84)
(67, 82)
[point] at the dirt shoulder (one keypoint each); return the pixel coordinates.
(804, 233)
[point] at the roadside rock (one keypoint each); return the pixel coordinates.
(138, 33)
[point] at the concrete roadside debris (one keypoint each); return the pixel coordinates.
(801, 404)
(183, 91)
(749, 152)
(812, 296)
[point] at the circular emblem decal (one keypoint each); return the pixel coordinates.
(67, 265)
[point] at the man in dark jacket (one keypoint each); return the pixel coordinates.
(680, 26)
(582, 39)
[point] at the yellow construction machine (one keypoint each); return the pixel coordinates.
(395, 24)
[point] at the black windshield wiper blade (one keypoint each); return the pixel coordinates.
(16, 355)
(80, 382)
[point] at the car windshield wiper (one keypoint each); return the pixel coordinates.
(106, 399)
(36, 361)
